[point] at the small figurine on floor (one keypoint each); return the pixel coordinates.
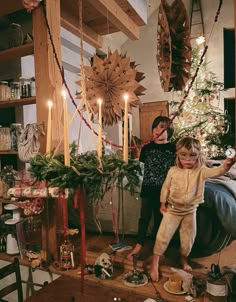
(103, 266)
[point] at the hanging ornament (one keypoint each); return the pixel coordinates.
(30, 4)
(174, 50)
(109, 79)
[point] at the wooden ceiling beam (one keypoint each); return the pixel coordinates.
(71, 23)
(128, 8)
(115, 14)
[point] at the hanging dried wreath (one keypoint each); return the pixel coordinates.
(109, 79)
(174, 50)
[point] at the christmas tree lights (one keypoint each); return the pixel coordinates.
(201, 115)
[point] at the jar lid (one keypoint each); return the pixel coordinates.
(24, 78)
(4, 82)
(15, 24)
(16, 124)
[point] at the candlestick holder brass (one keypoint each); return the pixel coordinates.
(135, 278)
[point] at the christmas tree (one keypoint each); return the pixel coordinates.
(200, 115)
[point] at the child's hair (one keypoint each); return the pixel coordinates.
(164, 119)
(188, 143)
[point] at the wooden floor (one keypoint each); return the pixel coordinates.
(97, 243)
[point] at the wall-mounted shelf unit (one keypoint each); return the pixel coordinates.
(18, 102)
(17, 52)
(8, 152)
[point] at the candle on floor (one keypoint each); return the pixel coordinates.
(125, 144)
(49, 128)
(66, 137)
(99, 145)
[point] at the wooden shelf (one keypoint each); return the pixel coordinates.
(17, 52)
(18, 102)
(8, 152)
(9, 201)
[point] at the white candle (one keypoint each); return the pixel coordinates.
(72, 259)
(125, 144)
(99, 145)
(66, 138)
(49, 128)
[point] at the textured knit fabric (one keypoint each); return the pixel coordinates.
(183, 191)
(169, 225)
(157, 159)
(184, 188)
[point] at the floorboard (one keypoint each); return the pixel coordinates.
(99, 243)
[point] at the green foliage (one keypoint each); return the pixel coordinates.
(96, 177)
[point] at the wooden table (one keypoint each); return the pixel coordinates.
(68, 289)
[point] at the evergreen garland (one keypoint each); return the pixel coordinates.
(96, 177)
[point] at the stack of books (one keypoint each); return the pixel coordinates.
(120, 246)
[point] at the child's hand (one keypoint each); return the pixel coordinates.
(163, 208)
(229, 161)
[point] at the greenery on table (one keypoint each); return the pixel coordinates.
(86, 170)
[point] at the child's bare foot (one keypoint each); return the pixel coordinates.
(154, 270)
(135, 250)
(185, 264)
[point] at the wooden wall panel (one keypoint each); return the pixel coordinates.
(148, 112)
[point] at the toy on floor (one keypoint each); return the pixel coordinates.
(135, 278)
(103, 266)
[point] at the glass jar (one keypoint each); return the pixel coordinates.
(15, 35)
(15, 90)
(4, 91)
(5, 139)
(33, 88)
(25, 87)
(8, 180)
(15, 131)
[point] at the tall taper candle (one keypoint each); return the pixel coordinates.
(125, 144)
(49, 128)
(66, 138)
(99, 145)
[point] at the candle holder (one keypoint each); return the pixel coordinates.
(66, 255)
(135, 278)
(15, 213)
